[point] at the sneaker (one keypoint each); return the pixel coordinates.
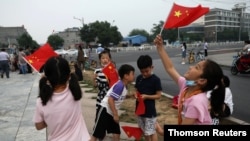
(183, 63)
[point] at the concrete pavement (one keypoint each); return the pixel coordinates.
(17, 103)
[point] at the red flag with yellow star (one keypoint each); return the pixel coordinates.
(132, 132)
(111, 74)
(182, 16)
(37, 59)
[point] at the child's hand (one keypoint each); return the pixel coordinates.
(158, 41)
(143, 96)
(116, 118)
(135, 94)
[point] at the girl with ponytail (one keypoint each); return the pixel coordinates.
(58, 107)
(193, 104)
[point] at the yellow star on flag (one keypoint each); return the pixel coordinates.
(177, 13)
(187, 13)
(30, 61)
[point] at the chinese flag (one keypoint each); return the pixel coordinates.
(182, 16)
(111, 74)
(132, 132)
(140, 110)
(40, 56)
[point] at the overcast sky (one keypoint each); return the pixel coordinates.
(41, 17)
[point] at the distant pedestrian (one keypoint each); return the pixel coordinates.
(80, 58)
(108, 118)
(4, 63)
(58, 106)
(22, 62)
(99, 49)
(184, 52)
(205, 47)
(86, 53)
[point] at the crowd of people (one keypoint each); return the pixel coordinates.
(204, 98)
(14, 62)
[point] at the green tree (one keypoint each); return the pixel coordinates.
(25, 41)
(167, 34)
(139, 32)
(156, 29)
(101, 32)
(55, 41)
(34, 44)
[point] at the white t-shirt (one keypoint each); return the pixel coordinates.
(86, 52)
(247, 48)
(228, 98)
(118, 91)
(63, 116)
(205, 45)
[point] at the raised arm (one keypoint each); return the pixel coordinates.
(167, 63)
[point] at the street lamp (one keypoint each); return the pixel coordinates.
(81, 20)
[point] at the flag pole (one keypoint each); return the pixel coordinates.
(165, 21)
(31, 66)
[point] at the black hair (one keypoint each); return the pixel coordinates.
(213, 73)
(125, 69)
(57, 72)
(78, 72)
(185, 45)
(226, 81)
(80, 47)
(144, 61)
(104, 52)
(247, 42)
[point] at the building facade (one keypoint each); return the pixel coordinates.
(71, 37)
(219, 19)
(9, 35)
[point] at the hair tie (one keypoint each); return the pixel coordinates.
(48, 83)
(216, 87)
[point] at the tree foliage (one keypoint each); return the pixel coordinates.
(100, 32)
(26, 41)
(55, 41)
(167, 34)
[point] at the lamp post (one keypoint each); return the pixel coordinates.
(112, 22)
(81, 20)
(215, 34)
